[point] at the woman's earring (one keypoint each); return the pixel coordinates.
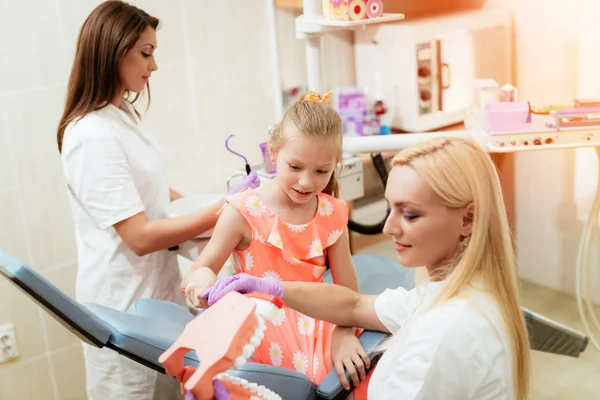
(465, 242)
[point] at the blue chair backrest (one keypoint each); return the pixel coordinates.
(62, 307)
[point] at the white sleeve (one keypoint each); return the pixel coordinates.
(434, 363)
(393, 306)
(98, 174)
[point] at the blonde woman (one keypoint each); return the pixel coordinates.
(460, 334)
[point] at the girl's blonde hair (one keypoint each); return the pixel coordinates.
(314, 118)
(461, 173)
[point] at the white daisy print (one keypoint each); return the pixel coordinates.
(249, 260)
(278, 316)
(300, 362)
(297, 228)
(275, 354)
(320, 259)
(315, 365)
(258, 236)
(291, 260)
(306, 325)
(253, 206)
(316, 249)
(318, 271)
(237, 263)
(325, 208)
(334, 236)
(275, 239)
(273, 274)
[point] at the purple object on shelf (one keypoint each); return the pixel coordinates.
(352, 107)
(269, 164)
(506, 116)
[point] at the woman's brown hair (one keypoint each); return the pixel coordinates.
(108, 33)
(312, 117)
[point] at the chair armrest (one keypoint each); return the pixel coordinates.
(552, 337)
(331, 387)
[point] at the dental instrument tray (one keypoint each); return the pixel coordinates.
(576, 127)
(577, 117)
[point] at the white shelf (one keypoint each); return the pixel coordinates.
(305, 25)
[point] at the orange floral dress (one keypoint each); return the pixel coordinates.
(291, 253)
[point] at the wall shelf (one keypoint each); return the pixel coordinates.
(306, 25)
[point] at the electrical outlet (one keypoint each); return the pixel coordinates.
(8, 343)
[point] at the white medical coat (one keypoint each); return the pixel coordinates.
(114, 169)
(455, 351)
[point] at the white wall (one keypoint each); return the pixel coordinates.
(550, 211)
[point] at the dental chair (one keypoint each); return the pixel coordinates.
(150, 326)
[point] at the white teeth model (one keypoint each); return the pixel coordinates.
(265, 310)
(248, 350)
(260, 391)
(239, 362)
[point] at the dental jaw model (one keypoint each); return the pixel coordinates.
(223, 336)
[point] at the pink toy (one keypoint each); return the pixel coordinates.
(352, 10)
(374, 8)
(223, 336)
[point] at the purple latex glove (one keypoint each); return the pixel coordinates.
(221, 392)
(249, 181)
(244, 284)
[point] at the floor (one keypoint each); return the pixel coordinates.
(553, 376)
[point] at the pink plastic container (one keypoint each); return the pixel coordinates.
(506, 116)
(268, 163)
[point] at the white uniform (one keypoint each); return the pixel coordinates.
(455, 351)
(114, 170)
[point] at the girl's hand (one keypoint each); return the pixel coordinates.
(347, 351)
(198, 282)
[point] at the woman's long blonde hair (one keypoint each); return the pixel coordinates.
(461, 173)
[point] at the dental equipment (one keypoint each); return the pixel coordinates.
(240, 324)
(247, 165)
(150, 326)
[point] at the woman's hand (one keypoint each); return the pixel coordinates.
(244, 284)
(196, 283)
(221, 392)
(347, 351)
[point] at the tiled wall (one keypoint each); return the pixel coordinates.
(37, 45)
(211, 83)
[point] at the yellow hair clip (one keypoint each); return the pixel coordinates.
(315, 97)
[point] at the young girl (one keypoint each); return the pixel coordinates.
(460, 334)
(292, 228)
